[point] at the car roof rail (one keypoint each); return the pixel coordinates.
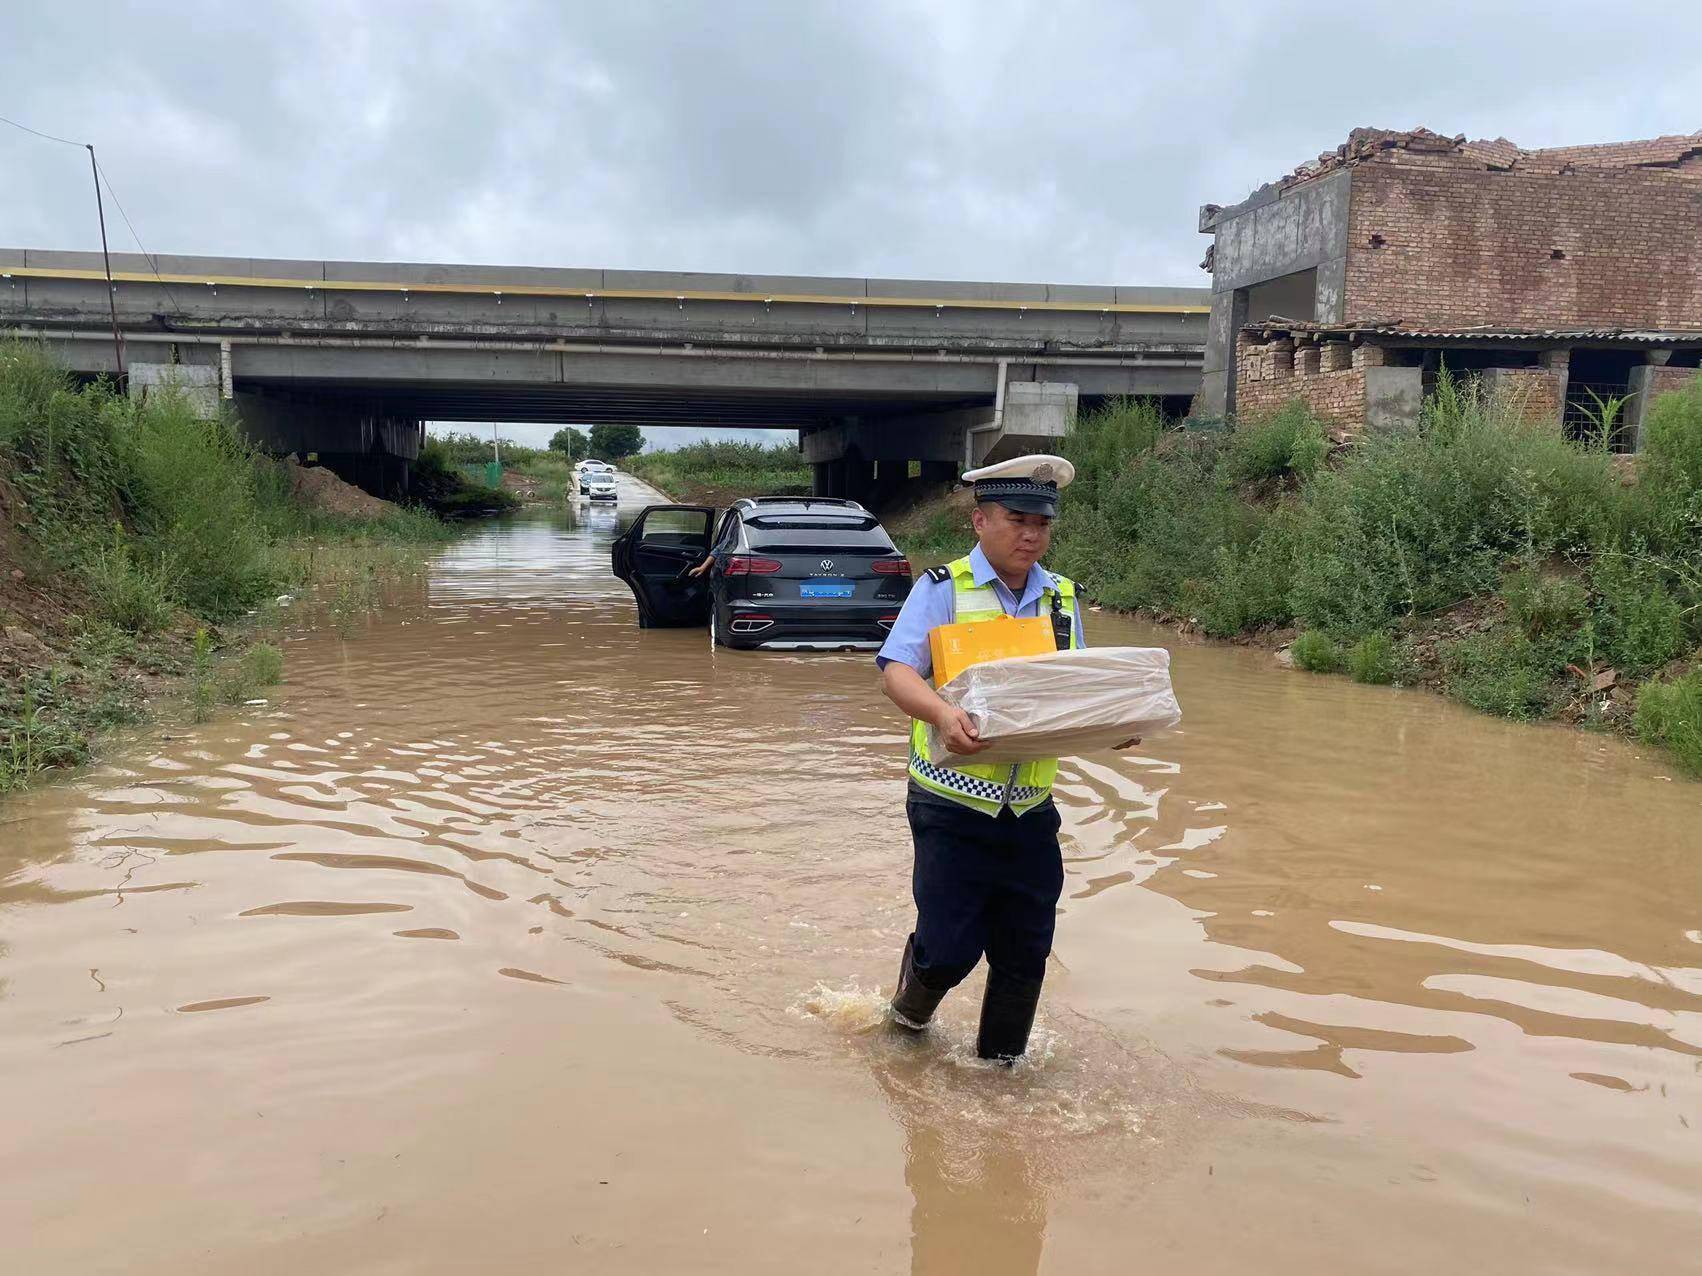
(839, 501)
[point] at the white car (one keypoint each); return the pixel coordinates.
(585, 469)
(599, 485)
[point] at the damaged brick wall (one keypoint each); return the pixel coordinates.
(1661, 380)
(1435, 239)
(1329, 379)
(1537, 394)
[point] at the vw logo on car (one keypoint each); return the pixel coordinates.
(827, 564)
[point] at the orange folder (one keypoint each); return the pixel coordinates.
(973, 642)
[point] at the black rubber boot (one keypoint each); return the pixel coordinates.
(914, 1003)
(1007, 1015)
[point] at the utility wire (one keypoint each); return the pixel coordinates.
(153, 262)
(26, 128)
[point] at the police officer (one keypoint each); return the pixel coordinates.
(988, 868)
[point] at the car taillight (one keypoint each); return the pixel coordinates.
(744, 565)
(889, 620)
(892, 566)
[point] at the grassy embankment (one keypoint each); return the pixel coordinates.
(1477, 555)
(719, 473)
(141, 554)
(529, 474)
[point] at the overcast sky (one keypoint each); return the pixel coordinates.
(982, 139)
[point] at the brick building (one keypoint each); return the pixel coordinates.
(1555, 274)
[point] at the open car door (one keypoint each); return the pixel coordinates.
(662, 545)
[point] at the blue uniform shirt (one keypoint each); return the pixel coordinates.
(930, 605)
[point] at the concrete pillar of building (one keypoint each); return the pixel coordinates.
(1394, 397)
(1559, 366)
(1217, 379)
(1640, 392)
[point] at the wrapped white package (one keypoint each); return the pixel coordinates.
(1062, 703)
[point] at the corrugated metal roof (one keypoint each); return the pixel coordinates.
(1486, 332)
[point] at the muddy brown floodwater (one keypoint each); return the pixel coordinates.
(509, 938)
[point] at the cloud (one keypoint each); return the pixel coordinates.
(978, 139)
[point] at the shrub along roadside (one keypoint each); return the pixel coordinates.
(442, 486)
(1476, 554)
(132, 537)
(709, 473)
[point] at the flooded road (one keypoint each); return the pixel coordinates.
(508, 937)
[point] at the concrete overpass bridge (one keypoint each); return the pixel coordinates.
(349, 359)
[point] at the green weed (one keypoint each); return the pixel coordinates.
(1543, 604)
(1602, 425)
(942, 534)
(262, 665)
(1503, 672)
(1288, 443)
(1642, 610)
(1670, 714)
(1372, 659)
(128, 590)
(1315, 652)
(203, 691)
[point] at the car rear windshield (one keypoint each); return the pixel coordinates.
(819, 533)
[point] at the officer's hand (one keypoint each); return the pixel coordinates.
(1127, 744)
(957, 729)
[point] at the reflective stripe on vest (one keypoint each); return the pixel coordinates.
(989, 786)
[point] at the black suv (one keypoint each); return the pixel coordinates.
(789, 572)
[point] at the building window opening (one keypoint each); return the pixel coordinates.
(1595, 378)
(1286, 297)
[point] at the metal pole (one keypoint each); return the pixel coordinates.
(496, 444)
(111, 295)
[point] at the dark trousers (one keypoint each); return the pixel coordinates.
(983, 884)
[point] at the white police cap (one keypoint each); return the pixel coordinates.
(1026, 484)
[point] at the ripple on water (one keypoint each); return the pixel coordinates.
(322, 908)
(1440, 938)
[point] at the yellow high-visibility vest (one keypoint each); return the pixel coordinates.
(989, 787)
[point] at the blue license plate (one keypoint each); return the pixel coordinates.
(826, 589)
